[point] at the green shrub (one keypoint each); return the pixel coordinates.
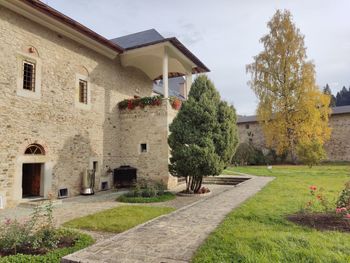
(146, 189)
(247, 154)
(159, 198)
(344, 197)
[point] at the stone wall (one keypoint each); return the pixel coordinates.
(337, 148)
(148, 126)
(72, 137)
(251, 132)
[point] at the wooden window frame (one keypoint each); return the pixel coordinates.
(83, 91)
(29, 78)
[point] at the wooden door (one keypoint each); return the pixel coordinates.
(31, 179)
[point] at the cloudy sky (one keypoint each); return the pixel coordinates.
(225, 34)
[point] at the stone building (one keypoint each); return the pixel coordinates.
(337, 148)
(60, 85)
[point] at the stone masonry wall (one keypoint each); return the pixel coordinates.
(72, 137)
(150, 126)
(337, 148)
(251, 131)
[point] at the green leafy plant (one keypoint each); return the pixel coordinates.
(344, 197)
(34, 236)
(146, 191)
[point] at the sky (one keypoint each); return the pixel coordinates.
(224, 34)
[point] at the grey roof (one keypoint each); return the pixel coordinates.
(245, 119)
(138, 39)
(341, 110)
(335, 111)
(174, 87)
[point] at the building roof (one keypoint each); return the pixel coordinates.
(44, 8)
(253, 118)
(116, 45)
(341, 110)
(153, 37)
(137, 39)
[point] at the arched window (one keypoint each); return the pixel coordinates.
(35, 149)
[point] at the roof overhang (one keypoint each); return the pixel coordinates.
(56, 21)
(149, 59)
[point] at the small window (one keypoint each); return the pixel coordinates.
(35, 149)
(247, 126)
(83, 91)
(143, 147)
(28, 76)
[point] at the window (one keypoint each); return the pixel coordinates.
(83, 91)
(247, 126)
(28, 76)
(35, 149)
(143, 147)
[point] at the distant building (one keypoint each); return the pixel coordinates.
(337, 148)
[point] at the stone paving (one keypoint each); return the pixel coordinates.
(79, 206)
(173, 237)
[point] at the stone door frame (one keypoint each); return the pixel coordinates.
(45, 178)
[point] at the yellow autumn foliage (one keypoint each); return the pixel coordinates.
(292, 109)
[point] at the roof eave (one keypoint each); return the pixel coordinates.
(200, 67)
(62, 24)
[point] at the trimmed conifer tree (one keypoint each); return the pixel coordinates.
(203, 135)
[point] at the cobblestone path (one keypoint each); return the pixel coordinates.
(173, 237)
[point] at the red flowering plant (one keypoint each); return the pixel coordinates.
(140, 102)
(318, 202)
(343, 202)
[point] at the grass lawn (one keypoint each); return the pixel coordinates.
(118, 219)
(161, 198)
(259, 232)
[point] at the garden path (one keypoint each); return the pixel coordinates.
(173, 237)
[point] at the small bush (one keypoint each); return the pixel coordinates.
(311, 153)
(145, 189)
(344, 197)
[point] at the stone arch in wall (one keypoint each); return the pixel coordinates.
(33, 173)
(33, 51)
(81, 70)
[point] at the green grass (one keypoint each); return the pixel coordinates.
(167, 196)
(118, 219)
(53, 256)
(258, 230)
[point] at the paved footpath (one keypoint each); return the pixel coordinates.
(173, 237)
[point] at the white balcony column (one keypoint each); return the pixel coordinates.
(188, 83)
(165, 74)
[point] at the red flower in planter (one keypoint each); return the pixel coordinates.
(130, 105)
(157, 102)
(176, 104)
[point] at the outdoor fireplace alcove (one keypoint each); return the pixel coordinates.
(125, 176)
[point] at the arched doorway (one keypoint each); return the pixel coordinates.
(32, 173)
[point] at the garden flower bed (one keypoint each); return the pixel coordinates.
(69, 242)
(37, 240)
(147, 191)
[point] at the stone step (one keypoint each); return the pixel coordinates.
(225, 180)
